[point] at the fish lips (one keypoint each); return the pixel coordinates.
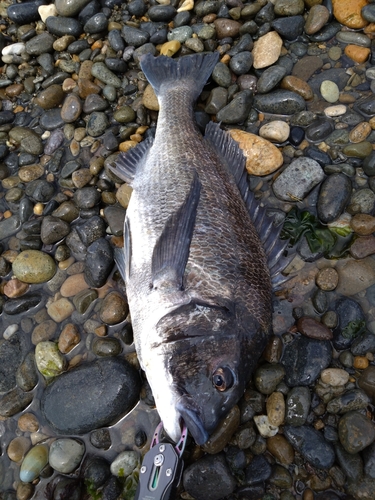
(192, 419)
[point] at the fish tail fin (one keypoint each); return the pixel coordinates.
(165, 72)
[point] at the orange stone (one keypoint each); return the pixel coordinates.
(15, 288)
(357, 53)
(360, 362)
(370, 28)
(348, 12)
(297, 85)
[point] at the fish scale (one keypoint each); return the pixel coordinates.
(195, 270)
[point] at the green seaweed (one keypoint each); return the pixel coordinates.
(353, 329)
(332, 242)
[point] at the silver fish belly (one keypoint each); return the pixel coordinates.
(195, 270)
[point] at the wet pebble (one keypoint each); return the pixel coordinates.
(356, 431)
(199, 476)
(281, 449)
(49, 360)
(297, 180)
(99, 264)
(312, 445)
(18, 448)
(33, 463)
(304, 359)
(283, 102)
(115, 383)
(65, 455)
(125, 463)
(333, 197)
(106, 347)
(313, 329)
(268, 376)
(355, 399)
(275, 131)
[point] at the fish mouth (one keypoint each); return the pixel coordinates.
(191, 417)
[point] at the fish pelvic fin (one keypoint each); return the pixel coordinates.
(269, 234)
(165, 72)
(172, 248)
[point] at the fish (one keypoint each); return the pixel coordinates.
(199, 256)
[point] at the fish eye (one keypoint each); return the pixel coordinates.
(223, 379)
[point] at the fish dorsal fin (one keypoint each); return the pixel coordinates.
(172, 248)
(127, 163)
(269, 234)
(192, 71)
(229, 151)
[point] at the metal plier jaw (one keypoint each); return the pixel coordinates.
(161, 469)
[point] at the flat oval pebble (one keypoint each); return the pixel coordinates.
(334, 376)
(312, 445)
(68, 404)
(33, 266)
(283, 102)
(313, 329)
(330, 91)
(33, 463)
(333, 197)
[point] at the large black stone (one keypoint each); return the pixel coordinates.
(91, 396)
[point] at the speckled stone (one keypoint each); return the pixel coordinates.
(262, 157)
(33, 266)
(266, 50)
(298, 179)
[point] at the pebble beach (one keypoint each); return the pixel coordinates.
(295, 87)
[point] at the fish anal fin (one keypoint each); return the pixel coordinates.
(127, 163)
(171, 251)
(230, 152)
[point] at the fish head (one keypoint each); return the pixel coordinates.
(203, 364)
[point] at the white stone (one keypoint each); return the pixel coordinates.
(338, 110)
(334, 376)
(275, 131)
(264, 427)
(13, 49)
(330, 91)
(9, 331)
(47, 11)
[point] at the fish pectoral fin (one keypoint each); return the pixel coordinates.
(123, 255)
(127, 163)
(172, 248)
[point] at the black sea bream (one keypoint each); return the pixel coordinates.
(195, 270)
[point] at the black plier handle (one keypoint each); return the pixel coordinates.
(161, 469)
